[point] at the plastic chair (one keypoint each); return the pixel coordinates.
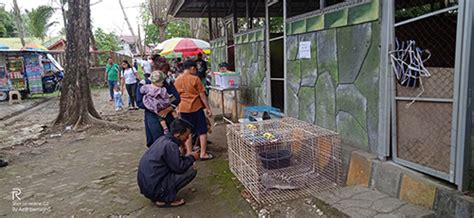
(14, 96)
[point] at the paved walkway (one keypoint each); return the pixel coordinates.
(363, 202)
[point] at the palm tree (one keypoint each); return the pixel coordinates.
(38, 23)
(137, 42)
(19, 22)
(63, 4)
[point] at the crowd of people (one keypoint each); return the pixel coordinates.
(177, 119)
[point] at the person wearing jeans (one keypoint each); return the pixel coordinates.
(112, 76)
(130, 79)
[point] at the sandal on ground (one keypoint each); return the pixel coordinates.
(3, 163)
(209, 157)
(177, 203)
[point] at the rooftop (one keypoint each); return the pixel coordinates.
(129, 39)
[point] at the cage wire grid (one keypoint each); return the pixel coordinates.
(285, 159)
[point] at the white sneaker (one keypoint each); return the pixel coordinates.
(117, 109)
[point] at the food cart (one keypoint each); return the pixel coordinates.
(29, 72)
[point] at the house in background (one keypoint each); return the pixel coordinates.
(128, 45)
(56, 44)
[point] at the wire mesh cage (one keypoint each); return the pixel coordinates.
(284, 159)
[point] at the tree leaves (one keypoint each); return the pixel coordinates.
(106, 41)
(7, 25)
(38, 21)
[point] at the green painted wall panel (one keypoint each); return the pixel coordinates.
(336, 18)
(260, 35)
(314, 23)
(252, 37)
(364, 13)
(298, 27)
(245, 38)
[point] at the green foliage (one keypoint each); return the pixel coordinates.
(276, 24)
(7, 24)
(106, 41)
(152, 34)
(411, 11)
(38, 21)
(178, 28)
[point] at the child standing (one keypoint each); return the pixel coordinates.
(156, 98)
(118, 98)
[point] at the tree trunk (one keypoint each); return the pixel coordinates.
(19, 22)
(76, 106)
(162, 29)
(63, 11)
(159, 14)
(195, 27)
(199, 28)
(93, 45)
(141, 48)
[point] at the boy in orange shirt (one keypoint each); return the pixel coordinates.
(192, 105)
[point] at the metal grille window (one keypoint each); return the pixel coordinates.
(423, 114)
(301, 8)
(332, 2)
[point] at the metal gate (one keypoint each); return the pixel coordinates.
(424, 115)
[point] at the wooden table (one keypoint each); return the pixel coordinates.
(222, 91)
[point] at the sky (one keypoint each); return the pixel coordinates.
(106, 14)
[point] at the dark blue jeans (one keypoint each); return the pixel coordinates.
(111, 84)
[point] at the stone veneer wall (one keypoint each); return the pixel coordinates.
(338, 88)
(250, 62)
(218, 53)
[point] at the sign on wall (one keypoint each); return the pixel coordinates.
(304, 51)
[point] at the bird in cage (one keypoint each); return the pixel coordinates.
(277, 181)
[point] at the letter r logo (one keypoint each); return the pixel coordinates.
(16, 192)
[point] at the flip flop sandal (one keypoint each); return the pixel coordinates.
(177, 203)
(3, 163)
(209, 157)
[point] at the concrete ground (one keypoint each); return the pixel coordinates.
(11, 110)
(363, 202)
(93, 173)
